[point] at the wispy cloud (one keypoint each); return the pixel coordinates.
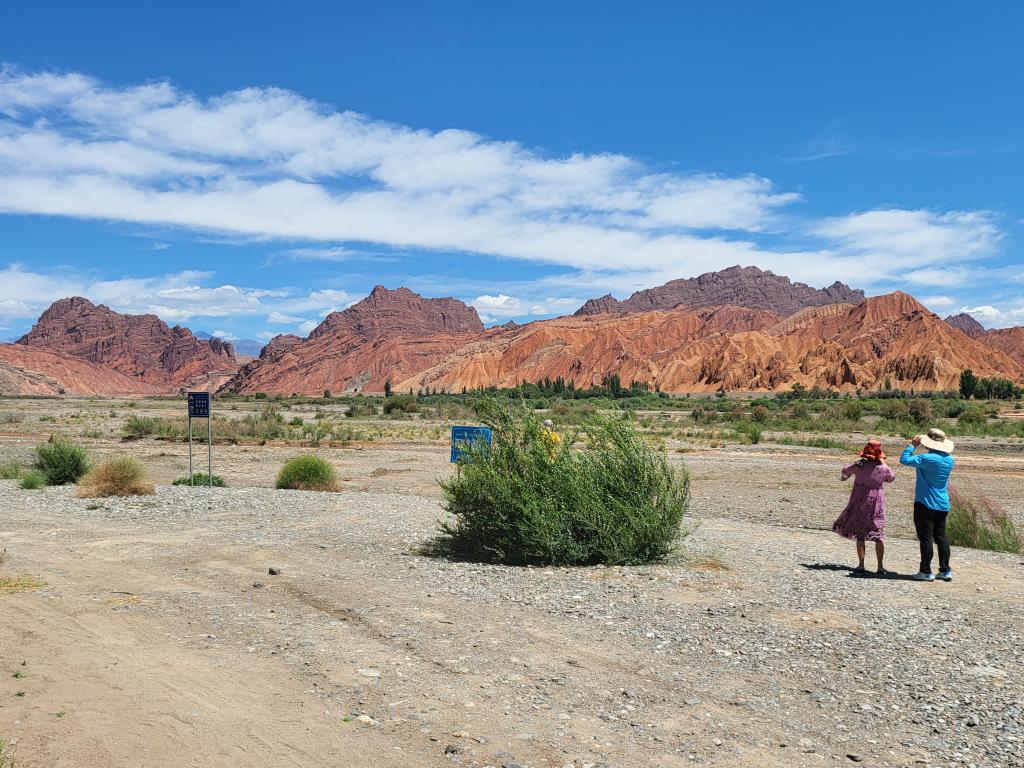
(832, 141)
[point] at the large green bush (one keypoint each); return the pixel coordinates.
(307, 473)
(61, 461)
(611, 500)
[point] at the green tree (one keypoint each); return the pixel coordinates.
(387, 388)
(968, 384)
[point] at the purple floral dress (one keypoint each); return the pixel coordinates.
(864, 516)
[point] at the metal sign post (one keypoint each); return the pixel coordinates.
(199, 408)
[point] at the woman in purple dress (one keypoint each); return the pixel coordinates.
(864, 517)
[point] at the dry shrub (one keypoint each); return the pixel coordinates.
(123, 476)
(978, 522)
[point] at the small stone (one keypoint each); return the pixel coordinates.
(257, 585)
(855, 757)
(366, 720)
(452, 749)
(369, 672)
(973, 721)
(693, 701)
(274, 570)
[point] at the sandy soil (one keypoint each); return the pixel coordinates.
(158, 638)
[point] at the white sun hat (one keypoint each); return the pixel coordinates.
(936, 440)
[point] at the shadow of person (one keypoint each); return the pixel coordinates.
(853, 573)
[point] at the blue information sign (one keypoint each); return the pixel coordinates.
(463, 436)
(199, 405)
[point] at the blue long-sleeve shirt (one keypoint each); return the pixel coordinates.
(933, 471)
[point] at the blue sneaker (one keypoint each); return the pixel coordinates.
(946, 575)
(922, 576)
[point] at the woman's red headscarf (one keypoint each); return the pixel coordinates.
(873, 451)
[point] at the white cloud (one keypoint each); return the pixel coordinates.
(279, 318)
(177, 297)
(938, 302)
(307, 327)
(265, 335)
(225, 335)
(266, 163)
(996, 317)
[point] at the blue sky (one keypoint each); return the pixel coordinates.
(246, 170)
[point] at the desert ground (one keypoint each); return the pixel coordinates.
(149, 631)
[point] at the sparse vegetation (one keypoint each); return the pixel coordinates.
(201, 478)
(614, 501)
(33, 480)
(136, 427)
(11, 469)
(122, 476)
(307, 473)
(978, 522)
(61, 461)
(11, 585)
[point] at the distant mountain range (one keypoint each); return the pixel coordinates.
(738, 329)
(243, 347)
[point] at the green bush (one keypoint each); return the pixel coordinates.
(136, 427)
(307, 473)
(920, 411)
(401, 404)
(201, 478)
(853, 410)
(972, 416)
(33, 480)
(977, 521)
(61, 461)
(614, 500)
(752, 432)
(11, 470)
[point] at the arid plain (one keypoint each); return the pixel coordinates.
(151, 632)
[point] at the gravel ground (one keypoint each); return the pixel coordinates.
(160, 638)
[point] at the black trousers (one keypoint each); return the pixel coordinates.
(931, 525)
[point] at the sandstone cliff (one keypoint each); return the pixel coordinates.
(890, 339)
(738, 286)
(967, 324)
(26, 370)
(389, 335)
(141, 347)
(1009, 341)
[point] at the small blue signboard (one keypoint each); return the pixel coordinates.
(199, 405)
(465, 436)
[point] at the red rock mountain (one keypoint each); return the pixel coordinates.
(967, 324)
(889, 338)
(738, 286)
(389, 335)
(1009, 341)
(386, 314)
(396, 335)
(141, 347)
(26, 370)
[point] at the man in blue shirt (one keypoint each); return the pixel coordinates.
(931, 498)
